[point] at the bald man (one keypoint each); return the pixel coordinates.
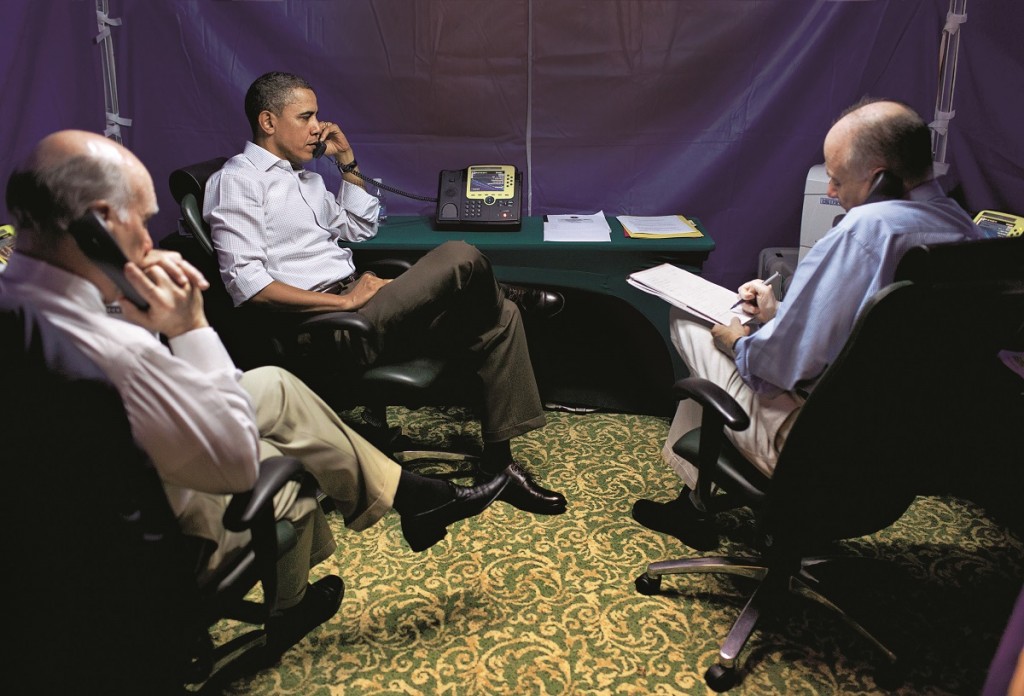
(879, 163)
(203, 423)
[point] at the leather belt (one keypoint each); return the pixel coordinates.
(339, 286)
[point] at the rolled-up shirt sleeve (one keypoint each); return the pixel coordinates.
(357, 214)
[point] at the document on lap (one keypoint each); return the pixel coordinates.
(689, 292)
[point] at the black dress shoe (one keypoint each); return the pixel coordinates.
(535, 301)
(424, 529)
(526, 494)
(320, 603)
(680, 519)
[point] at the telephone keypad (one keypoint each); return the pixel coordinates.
(473, 208)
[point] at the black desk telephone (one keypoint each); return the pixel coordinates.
(481, 198)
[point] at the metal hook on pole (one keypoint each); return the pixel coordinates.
(949, 52)
(104, 22)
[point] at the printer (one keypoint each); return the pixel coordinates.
(819, 215)
(819, 212)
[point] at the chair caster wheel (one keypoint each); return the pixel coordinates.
(646, 585)
(719, 678)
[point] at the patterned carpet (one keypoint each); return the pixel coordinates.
(511, 603)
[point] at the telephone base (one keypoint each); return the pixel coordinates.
(477, 226)
(480, 198)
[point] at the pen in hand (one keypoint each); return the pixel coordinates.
(768, 281)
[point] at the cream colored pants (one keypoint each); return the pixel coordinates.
(294, 421)
(770, 419)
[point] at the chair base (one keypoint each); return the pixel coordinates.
(774, 581)
(243, 655)
(418, 456)
(373, 425)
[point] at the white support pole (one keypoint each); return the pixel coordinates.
(949, 52)
(114, 120)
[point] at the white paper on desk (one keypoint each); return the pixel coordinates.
(689, 292)
(577, 228)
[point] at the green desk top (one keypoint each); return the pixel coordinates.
(416, 232)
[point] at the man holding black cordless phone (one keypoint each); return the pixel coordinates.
(878, 157)
(276, 229)
(81, 203)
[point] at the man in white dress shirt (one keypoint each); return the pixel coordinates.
(276, 229)
(203, 423)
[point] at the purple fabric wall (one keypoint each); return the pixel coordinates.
(712, 108)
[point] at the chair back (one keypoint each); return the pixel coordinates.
(103, 590)
(188, 187)
(919, 402)
(981, 259)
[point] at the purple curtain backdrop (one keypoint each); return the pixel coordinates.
(711, 108)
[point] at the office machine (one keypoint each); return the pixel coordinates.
(480, 197)
(996, 224)
(819, 212)
(781, 260)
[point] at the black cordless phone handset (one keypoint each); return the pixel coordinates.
(886, 187)
(93, 237)
(319, 149)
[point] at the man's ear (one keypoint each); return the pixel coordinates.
(105, 210)
(267, 121)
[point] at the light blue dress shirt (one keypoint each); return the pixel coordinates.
(838, 275)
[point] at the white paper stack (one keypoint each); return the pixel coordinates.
(689, 291)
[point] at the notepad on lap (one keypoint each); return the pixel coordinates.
(689, 292)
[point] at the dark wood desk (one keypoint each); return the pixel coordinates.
(609, 348)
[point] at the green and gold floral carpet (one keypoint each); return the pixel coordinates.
(513, 603)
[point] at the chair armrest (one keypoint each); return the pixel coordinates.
(387, 268)
(717, 462)
(245, 508)
(192, 216)
(305, 343)
(335, 321)
(712, 397)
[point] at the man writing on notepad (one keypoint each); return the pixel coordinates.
(878, 158)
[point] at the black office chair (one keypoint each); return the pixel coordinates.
(917, 402)
(324, 350)
(102, 581)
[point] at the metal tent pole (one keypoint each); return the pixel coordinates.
(114, 120)
(949, 52)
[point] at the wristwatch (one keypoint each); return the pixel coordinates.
(346, 168)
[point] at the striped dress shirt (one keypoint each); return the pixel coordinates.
(272, 222)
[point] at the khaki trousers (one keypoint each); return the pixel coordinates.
(294, 421)
(770, 418)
